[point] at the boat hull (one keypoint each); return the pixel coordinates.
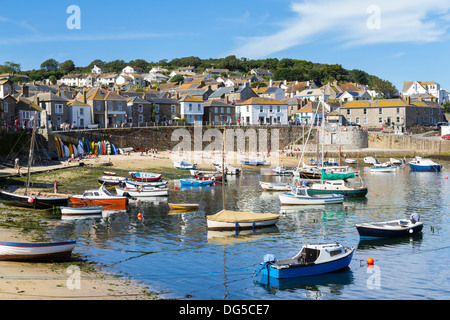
(224, 226)
(110, 203)
(156, 192)
(145, 176)
(289, 199)
(195, 183)
(304, 270)
(79, 211)
(183, 206)
(427, 168)
(356, 193)
(61, 251)
(275, 186)
(368, 231)
(33, 202)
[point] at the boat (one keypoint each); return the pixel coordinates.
(419, 164)
(141, 192)
(99, 197)
(337, 187)
(275, 186)
(145, 176)
(301, 196)
(389, 229)
(281, 171)
(57, 251)
(41, 201)
(137, 184)
(370, 160)
(81, 211)
(195, 183)
(351, 161)
(109, 173)
(395, 161)
(312, 259)
(184, 165)
(183, 206)
(110, 180)
(383, 167)
(229, 169)
(207, 176)
(240, 220)
(253, 162)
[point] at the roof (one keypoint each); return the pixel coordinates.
(311, 107)
(50, 96)
(76, 102)
(262, 101)
(377, 103)
(217, 103)
(189, 98)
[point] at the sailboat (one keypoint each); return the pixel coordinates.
(238, 220)
(42, 201)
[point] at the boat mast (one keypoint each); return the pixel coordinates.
(223, 170)
(30, 155)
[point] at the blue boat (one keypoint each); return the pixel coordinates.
(195, 182)
(253, 162)
(312, 260)
(419, 164)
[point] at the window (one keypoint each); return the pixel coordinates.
(174, 109)
(216, 110)
(380, 120)
(398, 110)
(261, 109)
(119, 106)
(157, 108)
(364, 120)
(348, 112)
(190, 106)
(228, 110)
(58, 108)
(271, 108)
(364, 111)
(141, 118)
(398, 120)
(357, 120)
(5, 107)
(110, 106)
(141, 108)
(199, 107)
(278, 108)
(81, 112)
(98, 106)
(380, 110)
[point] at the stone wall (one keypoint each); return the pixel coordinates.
(419, 145)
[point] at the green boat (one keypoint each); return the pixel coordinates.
(338, 184)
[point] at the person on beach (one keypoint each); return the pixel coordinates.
(55, 187)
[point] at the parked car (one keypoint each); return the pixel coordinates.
(446, 137)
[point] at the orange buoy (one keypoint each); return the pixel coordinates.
(139, 216)
(370, 261)
(446, 178)
(176, 188)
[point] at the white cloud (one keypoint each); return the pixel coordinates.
(351, 23)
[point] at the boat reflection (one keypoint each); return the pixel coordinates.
(368, 244)
(234, 236)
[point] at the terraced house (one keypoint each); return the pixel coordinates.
(108, 107)
(397, 113)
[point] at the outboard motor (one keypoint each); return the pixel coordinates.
(269, 258)
(415, 217)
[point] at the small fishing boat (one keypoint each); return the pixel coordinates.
(183, 206)
(145, 185)
(419, 164)
(184, 165)
(370, 160)
(57, 251)
(275, 186)
(207, 176)
(145, 176)
(41, 201)
(301, 196)
(395, 161)
(389, 229)
(313, 259)
(281, 171)
(109, 173)
(351, 161)
(337, 187)
(240, 220)
(99, 197)
(383, 167)
(141, 192)
(253, 162)
(81, 211)
(195, 183)
(109, 181)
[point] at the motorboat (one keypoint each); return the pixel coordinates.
(371, 160)
(389, 229)
(313, 259)
(229, 169)
(81, 211)
(253, 162)
(143, 184)
(99, 197)
(301, 196)
(240, 220)
(184, 165)
(281, 171)
(337, 187)
(383, 167)
(419, 164)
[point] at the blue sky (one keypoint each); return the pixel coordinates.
(401, 40)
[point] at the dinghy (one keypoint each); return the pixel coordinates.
(390, 229)
(110, 180)
(275, 186)
(145, 185)
(383, 167)
(81, 211)
(253, 162)
(184, 165)
(195, 183)
(313, 259)
(145, 176)
(281, 171)
(141, 192)
(58, 251)
(301, 196)
(237, 220)
(183, 206)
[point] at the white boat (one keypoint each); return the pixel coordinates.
(395, 161)
(184, 165)
(419, 164)
(370, 160)
(240, 220)
(281, 171)
(383, 167)
(350, 161)
(275, 186)
(140, 192)
(300, 196)
(229, 169)
(81, 211)
(57, 251)
(145, 185)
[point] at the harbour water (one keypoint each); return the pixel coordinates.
(176, 255)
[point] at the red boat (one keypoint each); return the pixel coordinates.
(145, 176)
(100, 197)
(203, 176)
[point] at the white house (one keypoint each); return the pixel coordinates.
(130, 70)
(425, 87)
(106, 79)
(192, 109)
(99, 70)
(156, 76)
(79, 113)
(347, 96)
(132, 78)
(262, 111)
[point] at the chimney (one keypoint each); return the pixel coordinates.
(270, 82)
(408, 100)
(25, 91)
(144, 97)
(84, 97)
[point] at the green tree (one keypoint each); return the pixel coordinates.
(384, 87)
(52, 79)
(177, 78)
(67, 66)
(50, 65)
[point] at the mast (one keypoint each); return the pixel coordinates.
(223, 170)
(30, 155)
